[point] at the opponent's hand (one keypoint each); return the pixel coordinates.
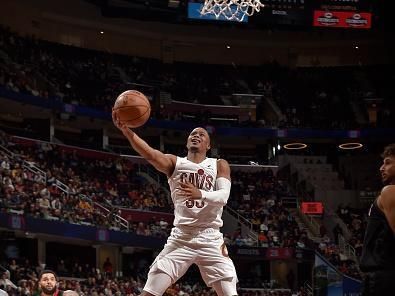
(189, 191)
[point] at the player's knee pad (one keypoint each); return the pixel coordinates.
(157, 283)
(225, 287)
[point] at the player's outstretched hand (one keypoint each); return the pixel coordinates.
(124, 129)
(116, 120)
(189, 191)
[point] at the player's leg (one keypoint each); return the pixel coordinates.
(225, 287)
(157, 284)
(168, 267)
(217, 269)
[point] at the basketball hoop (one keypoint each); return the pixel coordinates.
(231, 9)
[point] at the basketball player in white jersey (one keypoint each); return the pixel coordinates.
(200, 188)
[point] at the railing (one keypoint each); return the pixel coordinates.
(108, 213)
(349, 251)
(308, 288)
(150, 172)
(30, 166)
(310, 221)
(296, 180)
(156, 177)
(346, 248)
(290, 202)
(251, 233)
(7, 152)
(63, 187)
(40, 175)
(332, 216)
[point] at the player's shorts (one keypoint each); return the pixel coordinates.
(204, 247)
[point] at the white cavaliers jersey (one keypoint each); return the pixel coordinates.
(195, 213)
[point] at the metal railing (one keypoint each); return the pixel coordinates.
(63, 187)
(251, 233)
(150, 172)
(40, 175)
(346, 248)
(108, 213)
(7, 152)
(310, 222)
(308, 288)
(152, 175)
(349, 251)
(289, 202)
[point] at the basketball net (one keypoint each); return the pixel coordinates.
(231, 9)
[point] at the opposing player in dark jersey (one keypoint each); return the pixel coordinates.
(200, 188)
(47, 281)
(378, 254)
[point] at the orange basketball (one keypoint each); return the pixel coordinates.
(132, 108)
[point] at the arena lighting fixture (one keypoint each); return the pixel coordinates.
(350, 146)
(295, 146)
(173, 3)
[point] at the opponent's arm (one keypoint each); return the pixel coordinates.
(220, 195)
(164, 163)
(387, 204)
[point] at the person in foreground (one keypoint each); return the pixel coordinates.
(200, 188)
(378, 254)
(47, 282)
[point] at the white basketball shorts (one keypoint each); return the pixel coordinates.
(205, 248)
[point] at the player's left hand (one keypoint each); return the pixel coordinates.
(189, 191)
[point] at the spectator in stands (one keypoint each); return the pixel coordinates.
(107, 267)
(336, 232)
(291, 279)
(6, 282)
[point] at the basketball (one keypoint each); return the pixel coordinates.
(132, 108)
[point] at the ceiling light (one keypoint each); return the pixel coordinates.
(295, 146)
(350, 146)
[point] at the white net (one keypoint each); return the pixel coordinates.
(231, 9)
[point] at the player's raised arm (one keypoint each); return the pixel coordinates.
(164, 163)
(223, 169)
